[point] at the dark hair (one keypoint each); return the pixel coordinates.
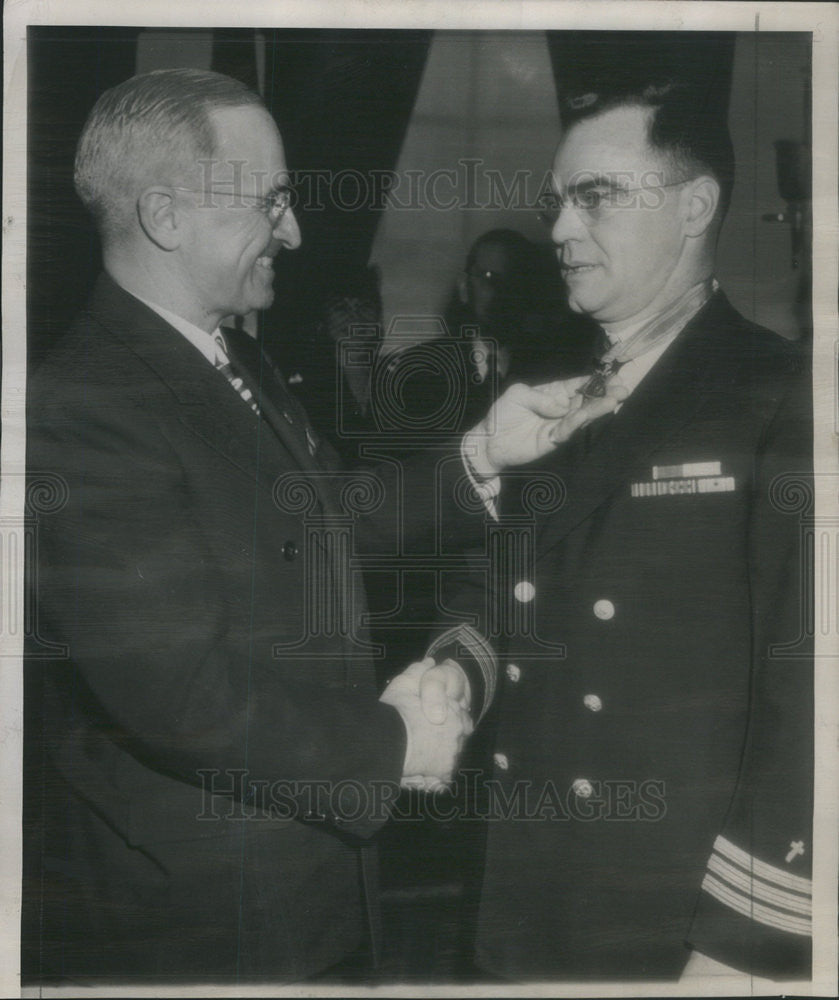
(157, 120)
(512, 300)
(683, 126)
(517, 246)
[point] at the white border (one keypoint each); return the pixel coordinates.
(821, 18)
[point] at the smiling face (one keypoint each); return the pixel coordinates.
(622, 265)
(231, 240)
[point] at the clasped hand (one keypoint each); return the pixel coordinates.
(434, 701)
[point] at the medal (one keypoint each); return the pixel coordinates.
(595, 388)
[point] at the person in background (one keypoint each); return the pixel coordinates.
(460, 374)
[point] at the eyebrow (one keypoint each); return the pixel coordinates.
(599, 180)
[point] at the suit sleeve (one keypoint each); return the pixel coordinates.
(161, 653)
(754, 910)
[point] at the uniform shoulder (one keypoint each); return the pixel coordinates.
(763, 350)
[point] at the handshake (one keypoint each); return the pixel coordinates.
(434, 701)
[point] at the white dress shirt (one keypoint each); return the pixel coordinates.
(200, 339)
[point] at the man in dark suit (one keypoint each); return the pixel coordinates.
(206, 760)
(651, 803)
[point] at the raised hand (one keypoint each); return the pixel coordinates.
(527, 422)
(434, 707)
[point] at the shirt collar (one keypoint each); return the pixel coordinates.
(200, 339)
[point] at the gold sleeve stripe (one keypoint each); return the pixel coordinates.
(769, 873)
(759, 890)
(755, 911)
(481, 652)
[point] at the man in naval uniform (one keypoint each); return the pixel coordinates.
(651, 801)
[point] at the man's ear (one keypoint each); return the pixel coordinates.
(703, 196)
(159, 217)
(463, 288)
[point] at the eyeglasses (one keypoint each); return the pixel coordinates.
(275, 205)
(595, 201)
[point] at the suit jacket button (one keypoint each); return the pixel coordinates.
(593, 703)
(501, 761)
(513, 673)
(582, 787)
(290, 551)
(604, 610)
(524, 591)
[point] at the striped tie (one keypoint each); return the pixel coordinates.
(222, 363)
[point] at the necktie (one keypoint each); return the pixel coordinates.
(223, 364)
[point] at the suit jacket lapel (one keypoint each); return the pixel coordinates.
(668, 397)
(281, 411)
(207, 404)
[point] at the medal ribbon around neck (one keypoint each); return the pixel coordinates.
(664, 325)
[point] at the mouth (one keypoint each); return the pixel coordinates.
(266, 261)
(572, 270)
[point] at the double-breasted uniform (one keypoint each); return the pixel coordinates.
(652, 775)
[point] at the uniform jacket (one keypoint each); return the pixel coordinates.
(652, 777)
(182, 577)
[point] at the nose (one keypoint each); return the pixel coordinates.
(286, 231)
(568, 225)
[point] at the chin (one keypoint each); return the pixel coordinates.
(590, 308)
(262, 301)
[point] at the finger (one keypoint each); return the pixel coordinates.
(415, 671)
(406, 683)
(432, 692)
(457, 686)
(549, 401)
(590, 411)
(564, 390)
(598, 407)
(569, 385)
